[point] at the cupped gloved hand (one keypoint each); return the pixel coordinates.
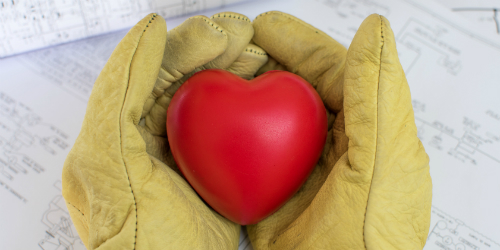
(371, 188)
(120, 182)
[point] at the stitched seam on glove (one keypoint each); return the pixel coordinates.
(376, 139)
(234, 15)
(208, 21)
(260, 53)
(121, 145)
(75, 208)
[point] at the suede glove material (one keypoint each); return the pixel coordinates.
(371, 188)
(120, 182)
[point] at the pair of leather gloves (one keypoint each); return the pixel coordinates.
(370, 189)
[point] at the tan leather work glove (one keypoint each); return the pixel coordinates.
(371, 188)
(120, 182)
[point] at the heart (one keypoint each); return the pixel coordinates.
(246, 147)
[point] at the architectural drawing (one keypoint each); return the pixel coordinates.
(448, 233)
(471, 147)
(417, 41)
(23, 132)
(33, 24)
(74, 67)
(467, 142)
(359, 8)
(61, 234)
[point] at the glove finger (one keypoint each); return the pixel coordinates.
(197, 44)
(96, 171)
(249, 61)
(239, 32)
(306, 51)
(384, 149)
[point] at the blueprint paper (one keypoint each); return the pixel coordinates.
(33, 24)
(452, 73)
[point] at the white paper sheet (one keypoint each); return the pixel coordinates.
(452, 74)
(33, 24)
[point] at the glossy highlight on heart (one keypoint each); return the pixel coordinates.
(246, 147)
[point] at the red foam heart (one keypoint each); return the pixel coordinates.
(246, 146)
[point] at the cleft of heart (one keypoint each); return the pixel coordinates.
(246, 147)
